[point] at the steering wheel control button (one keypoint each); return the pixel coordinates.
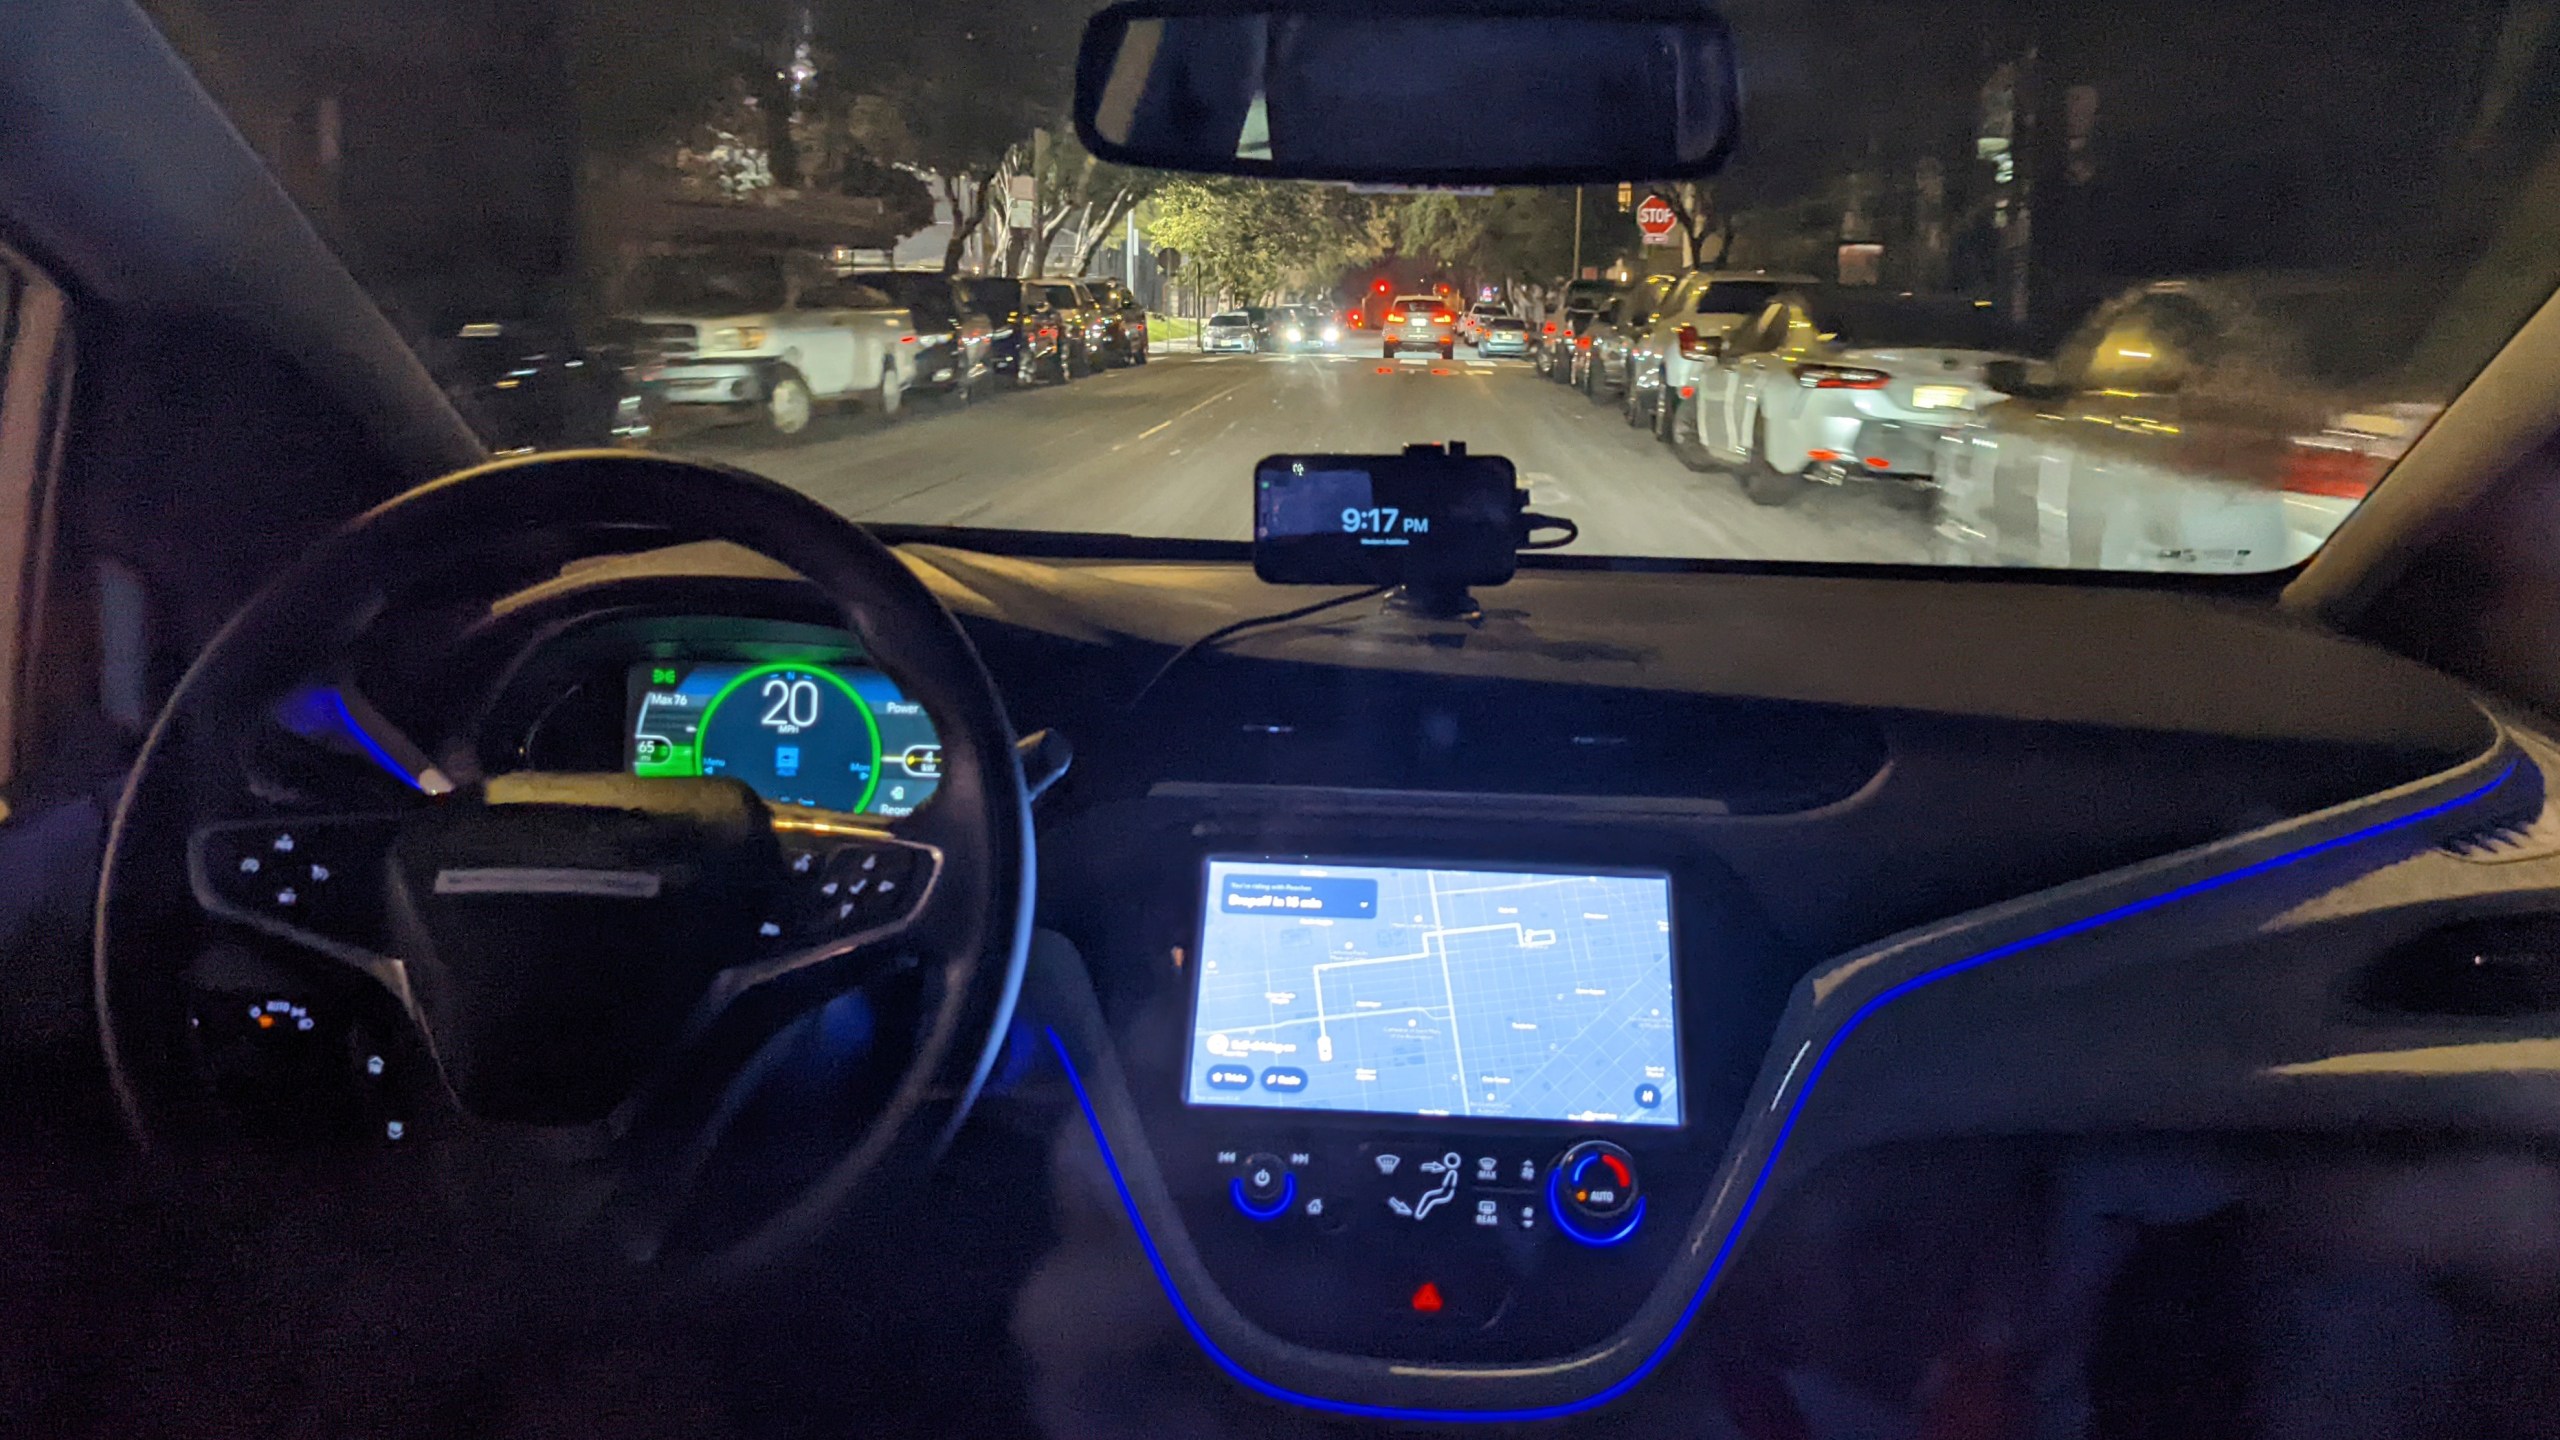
(317, 877)
(1595, 1193)
(831, 891)
(1264, 1188)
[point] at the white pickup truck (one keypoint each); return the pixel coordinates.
(777, 334)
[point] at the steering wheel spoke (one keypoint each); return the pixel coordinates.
(317, 882)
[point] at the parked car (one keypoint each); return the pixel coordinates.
(1024, 348)
(1420, 322)
(1565, 323)
(1087, 327)
(1127, 344)
(1831, 384)
(528, 384)
(2215, 425)
(1604, 352)
(953, 337)
(1503, 335)
(1231, 330)
(1700, 310)
(775, 334)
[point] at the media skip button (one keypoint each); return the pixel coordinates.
(1229, 1077)
(1282, 1079)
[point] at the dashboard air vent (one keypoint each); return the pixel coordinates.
(2481, 969)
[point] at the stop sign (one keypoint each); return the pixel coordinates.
(1655, 219)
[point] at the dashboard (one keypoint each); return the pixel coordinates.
(1440, 1000)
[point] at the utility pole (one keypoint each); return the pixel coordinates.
(1577, 236)
(1039, 167)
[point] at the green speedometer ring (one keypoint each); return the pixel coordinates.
(861, 707)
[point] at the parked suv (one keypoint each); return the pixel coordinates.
(1128, 338)
(953, 337)
(1025, 347)
(1087, 327)
(775, 334)
(1685, 337)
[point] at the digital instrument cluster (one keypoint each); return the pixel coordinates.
(797, 732)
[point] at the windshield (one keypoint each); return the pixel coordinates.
(1734, 297)
(707, 286)
(2190, 278)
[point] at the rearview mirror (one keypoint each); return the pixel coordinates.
(1327, 90)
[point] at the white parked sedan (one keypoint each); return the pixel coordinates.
(1832, 385)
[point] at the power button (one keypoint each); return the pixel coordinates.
(1263, 1187)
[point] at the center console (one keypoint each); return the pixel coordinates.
(1427, 1111)
(1448, 1098)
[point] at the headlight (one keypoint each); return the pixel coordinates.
(1332, 333)
(1294, 334)
(738, 337)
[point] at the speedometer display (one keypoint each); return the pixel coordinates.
(839, 737)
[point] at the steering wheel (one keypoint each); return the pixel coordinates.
(598, 956)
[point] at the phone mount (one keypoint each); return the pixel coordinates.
(1427, 525)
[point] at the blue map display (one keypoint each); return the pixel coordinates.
(1524, 996)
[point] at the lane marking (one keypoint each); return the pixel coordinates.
(1203, 405)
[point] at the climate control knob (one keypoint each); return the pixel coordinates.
(1595, 1193)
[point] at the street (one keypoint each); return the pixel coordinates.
(1168, 449)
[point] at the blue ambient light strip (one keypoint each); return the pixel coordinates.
(1733, 1232)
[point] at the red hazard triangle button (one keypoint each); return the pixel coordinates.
(1426, 1301)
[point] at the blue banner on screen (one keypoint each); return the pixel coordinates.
(1282, 894)
(1405, 991)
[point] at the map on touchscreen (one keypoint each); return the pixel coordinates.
(1396, 991)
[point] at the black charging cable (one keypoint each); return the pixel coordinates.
(1530, 524)
(1233, 629)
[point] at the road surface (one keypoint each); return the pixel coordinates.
(1168, 449)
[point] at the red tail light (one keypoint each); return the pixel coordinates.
(1840, 377)
(1551, 327)
(1395, 317)
(2339, 473)
(1582, 342)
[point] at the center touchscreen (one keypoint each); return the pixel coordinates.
(1389, 990)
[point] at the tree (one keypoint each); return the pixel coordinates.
(1510, 235)
(1082, 194)
(1251, 238)
(968, 85)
